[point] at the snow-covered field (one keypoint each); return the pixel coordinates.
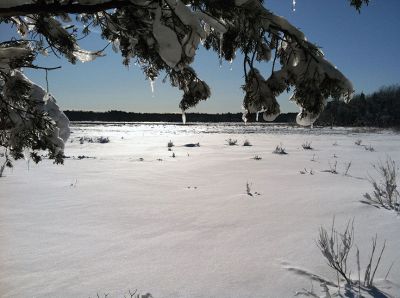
(133, 217)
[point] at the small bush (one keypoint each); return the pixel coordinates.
(231, 142)
(100, 140)
(280, 150)
(246, 143)
(84, 157)
(336, 247)
(332, 168)
(307, 146)
(385, 191)
(170, 144)
(369, 148)
(103, 140)
(83, 140)
(305, 171)
(358, 142)
(257, 157)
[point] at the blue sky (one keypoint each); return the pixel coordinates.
(365, 47)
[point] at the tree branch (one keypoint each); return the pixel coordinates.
(55, 8)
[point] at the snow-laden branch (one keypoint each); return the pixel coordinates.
(163, 36)
(9, 8)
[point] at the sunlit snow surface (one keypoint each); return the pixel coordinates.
(133, 217)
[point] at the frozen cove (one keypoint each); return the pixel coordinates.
(125, 214)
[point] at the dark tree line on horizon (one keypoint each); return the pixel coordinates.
(121, 116)
(378, 109)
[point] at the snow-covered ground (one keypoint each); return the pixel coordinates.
(133, 217)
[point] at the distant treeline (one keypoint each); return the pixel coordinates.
(379, 109)
(120, 116)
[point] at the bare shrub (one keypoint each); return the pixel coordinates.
(83, 140)
(307, 146)
(332, 168)
(247, 143)
(305, 171)
(280, 150)
(370, 272)
(83, 157)
(369, 148)
(358, 142)
(248, 189)
(103, 140)
(231, 142)
(336, 247)
(385, 191)
(100, 140)
(170, 144)
(257, 157)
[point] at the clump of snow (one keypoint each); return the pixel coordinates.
(86, 56)
(169, 48)
(12, 53)
(305, 118)
(270, 117)
(45, 102)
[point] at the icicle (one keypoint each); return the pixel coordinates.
(294, 5)
(257, 116)
(230, 63)
(152, 87)
(244, 117)
(183, 117)
(115, 45)
(221, 39)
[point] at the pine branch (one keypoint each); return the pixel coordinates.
(56, 8)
